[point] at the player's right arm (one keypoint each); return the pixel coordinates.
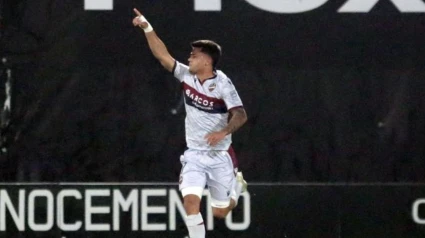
(158, 48)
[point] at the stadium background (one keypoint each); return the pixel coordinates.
(331, 97)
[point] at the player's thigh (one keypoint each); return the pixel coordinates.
(220, 180)
(192, 175)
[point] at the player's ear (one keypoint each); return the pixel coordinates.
(209, 60)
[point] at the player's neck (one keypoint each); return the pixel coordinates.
(204, 75)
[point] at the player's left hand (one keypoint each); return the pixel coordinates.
(215, 137)
(137, 21)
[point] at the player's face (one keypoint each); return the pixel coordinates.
(197, 60)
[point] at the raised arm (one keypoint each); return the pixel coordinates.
(158, 48)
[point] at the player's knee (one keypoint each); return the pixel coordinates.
(191, 204)
(220, 213)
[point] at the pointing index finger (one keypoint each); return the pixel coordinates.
(137, 12)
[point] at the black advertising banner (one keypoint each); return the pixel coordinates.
(147, 210)
(291, 33)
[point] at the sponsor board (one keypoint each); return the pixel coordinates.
(269, 210)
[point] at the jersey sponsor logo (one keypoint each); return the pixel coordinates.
(203, 102)
(199, 100)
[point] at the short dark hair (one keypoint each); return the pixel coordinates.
(210, 48)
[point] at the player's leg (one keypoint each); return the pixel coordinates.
(220, 207)
(225, 186)
(194, 222)
(239, 185)
(192, 184)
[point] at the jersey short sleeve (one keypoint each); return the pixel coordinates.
(230, 95)
(180, 71)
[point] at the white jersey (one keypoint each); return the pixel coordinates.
(207, 105)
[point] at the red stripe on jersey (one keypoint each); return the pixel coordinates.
(202, 101)
(196, 93)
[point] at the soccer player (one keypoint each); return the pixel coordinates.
(214, 111)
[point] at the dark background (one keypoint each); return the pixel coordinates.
(330, 96)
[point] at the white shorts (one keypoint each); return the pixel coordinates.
(215, 169)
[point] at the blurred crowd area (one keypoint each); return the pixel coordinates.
(128, 125)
